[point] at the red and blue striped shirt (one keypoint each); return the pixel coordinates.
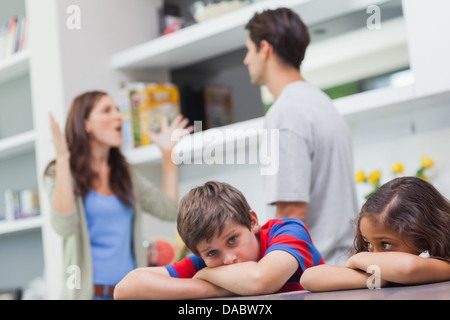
(286, 234)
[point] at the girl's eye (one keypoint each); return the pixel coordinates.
(386, 245)
(369, 246)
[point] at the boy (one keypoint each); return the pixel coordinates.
(233, 254)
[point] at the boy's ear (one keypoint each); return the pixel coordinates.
(255, 227)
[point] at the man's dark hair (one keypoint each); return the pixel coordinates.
(284, 30)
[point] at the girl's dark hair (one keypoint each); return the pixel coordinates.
(284, 30)
(416, 210)
(80, 153)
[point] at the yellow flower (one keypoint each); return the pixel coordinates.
(426, 162)
(397, 167)
(360, 176)
(374, 177)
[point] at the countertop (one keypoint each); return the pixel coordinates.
(434, 291)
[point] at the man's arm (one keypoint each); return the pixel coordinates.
(155, 283)
(266, 276)
(291, 210)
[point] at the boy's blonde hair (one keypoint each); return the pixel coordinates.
(205, 210)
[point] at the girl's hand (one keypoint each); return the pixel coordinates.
(168, 136)
(58, 139)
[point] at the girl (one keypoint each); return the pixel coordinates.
(403, 236)
(97, 199)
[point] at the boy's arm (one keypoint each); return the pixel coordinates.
(266, 276)
(401, 267)
(156, 283)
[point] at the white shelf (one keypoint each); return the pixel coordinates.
(357, 54)
(194, 145)
(9, 227)
(375, 104)
(221, 35)
(14, 66)
(193, 44)
(145, 154)
(17, 144)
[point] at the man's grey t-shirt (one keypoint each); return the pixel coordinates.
(315, 166)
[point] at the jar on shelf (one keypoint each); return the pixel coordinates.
(204, 10)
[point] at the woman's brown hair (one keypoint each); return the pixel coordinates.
(416, 210)
(80, 154)
(204, 211)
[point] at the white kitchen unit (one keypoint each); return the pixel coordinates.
(117, 41)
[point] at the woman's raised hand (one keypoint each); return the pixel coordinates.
(169, 135)
(59, 139)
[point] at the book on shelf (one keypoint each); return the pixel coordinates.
(211, 105)
(13, 36)
(193, 103)
(170, 19)
(143, 105)
(218, 106)
(20, 204)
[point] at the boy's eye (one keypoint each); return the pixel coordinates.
(211, 253)
(386, 245)
(232, 240)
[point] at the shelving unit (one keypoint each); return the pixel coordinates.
(16, 226)
(220, 35)
(194, 144)
(185, 47)
(22, 238)
(227, 33)
(371, 105)
(17, 144)
(14, 66)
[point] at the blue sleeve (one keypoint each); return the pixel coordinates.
(293, 237)
(186, 268)
(172, 271)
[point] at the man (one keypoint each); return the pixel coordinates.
(315, 181)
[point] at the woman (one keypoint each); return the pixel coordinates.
(97, 199)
